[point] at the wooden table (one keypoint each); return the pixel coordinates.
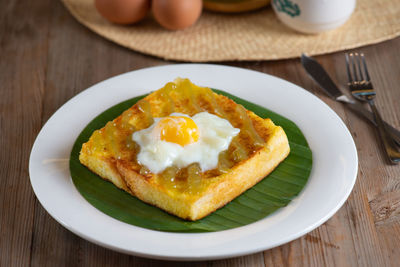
(47, 57)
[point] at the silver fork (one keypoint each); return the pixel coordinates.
(361, 88)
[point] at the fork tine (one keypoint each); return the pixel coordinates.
(353, 64)
(357, 58)
(348, 68)
(365, 67)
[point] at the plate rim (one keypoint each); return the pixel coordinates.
(181, 256)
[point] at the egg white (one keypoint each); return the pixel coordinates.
(215, 136)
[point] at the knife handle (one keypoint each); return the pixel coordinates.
(361, 110)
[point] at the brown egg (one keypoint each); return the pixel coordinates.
(123, 11)
(176, 14)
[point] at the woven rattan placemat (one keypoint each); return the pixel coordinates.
(255, 35)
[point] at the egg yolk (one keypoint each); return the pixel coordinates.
(179, 130)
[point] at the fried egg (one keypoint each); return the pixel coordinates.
(180, 140)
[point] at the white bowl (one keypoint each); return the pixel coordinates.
(313, 16)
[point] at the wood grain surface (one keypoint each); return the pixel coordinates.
(46, 57)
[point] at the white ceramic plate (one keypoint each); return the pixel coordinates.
(332, 178)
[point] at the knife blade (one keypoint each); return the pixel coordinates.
(321, 77)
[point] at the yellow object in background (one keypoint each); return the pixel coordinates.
(234, 6)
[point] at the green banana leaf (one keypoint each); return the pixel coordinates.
(269, 195)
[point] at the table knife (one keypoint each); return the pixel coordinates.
(319, 75)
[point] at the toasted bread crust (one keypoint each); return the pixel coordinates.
(218, 189)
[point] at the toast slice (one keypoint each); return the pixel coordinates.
(252, 155)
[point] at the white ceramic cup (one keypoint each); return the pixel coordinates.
(313, 16)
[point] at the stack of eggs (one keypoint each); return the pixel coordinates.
(171, 14)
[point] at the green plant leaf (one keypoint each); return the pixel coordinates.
(272, 193)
